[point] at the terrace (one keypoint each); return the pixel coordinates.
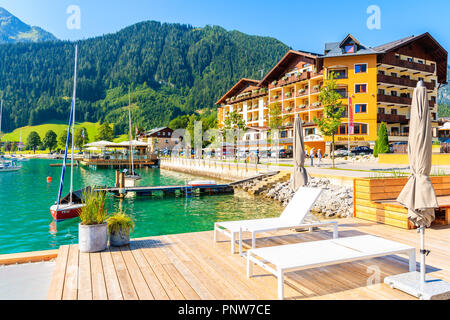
(192, 266)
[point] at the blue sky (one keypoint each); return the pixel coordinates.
(303, 25)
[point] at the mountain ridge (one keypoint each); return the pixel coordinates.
(14, 30)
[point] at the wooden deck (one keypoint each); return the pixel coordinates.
(192, 266)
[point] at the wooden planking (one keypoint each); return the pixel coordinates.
(84, 277)
(152, 280)
(142, 289)
(126, 284)
(165, 279)
(55, 291)
(70, 291)
(111, 281)
(97, 277)
(192, 266)
(26, 257)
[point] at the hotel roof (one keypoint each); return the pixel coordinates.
(240, 86)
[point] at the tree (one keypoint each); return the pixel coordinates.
(105, 132)
(275, 119)
(333, 110)
(382, 143)
(50, 141)
(63, 137)
(81, 137)
(33, 141)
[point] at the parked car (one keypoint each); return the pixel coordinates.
(361, 150)
(264, 154)
(283, 153)
(341, 153)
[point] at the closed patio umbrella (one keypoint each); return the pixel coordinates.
(300, 176)
(419, 198)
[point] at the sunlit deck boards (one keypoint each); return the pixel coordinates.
(191, 266)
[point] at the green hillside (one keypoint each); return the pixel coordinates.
(58, 127)
(13, 30)
(172, 69)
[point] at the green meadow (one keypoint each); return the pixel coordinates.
(57, 126)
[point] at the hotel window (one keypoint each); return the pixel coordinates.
(394, 112)
(159, 133)
(405, 130)
(360, 128)
(309, 131)
(361, 68)
(409, 59)
(394, 93)
(338, 73)
(433, 98)
(393, 74)
(168, 134)
(167, 141)
(420, 61)
(350, 48)
(342, 92)
(361, 108)
(380, 110)
(360, 88)
(434, 116)
(395, 131)
(381, 72)
(421, 79)
(284, 134)
(381, 91)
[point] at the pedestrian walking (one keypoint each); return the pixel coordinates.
(319, 157)
(311, 155)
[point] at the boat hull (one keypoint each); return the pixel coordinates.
(64, 211)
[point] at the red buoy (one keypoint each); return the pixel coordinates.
(49, 179)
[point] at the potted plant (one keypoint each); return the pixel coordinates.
(120, 226)
(92, 231)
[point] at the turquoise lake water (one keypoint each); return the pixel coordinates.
(25, 199)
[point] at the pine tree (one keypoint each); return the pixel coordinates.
(383, 140)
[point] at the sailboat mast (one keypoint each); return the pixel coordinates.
(73, 121)
(1, 113)
(131, 136)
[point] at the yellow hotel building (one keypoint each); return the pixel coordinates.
(380, 82)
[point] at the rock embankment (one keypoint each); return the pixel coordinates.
(335, 201)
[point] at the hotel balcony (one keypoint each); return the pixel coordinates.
(396, 100)
(293, 79)
(392, 118)
(405, 65)
(401, 82)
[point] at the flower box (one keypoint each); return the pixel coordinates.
(374, 199)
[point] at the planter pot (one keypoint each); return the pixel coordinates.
(119, 239)
(93, 238)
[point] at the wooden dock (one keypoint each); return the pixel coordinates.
(182, 189)
(192, 266)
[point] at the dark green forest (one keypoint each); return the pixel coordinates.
(172, 70)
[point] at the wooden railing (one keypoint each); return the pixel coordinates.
(393, 61)
(381, 78)
(391, 118)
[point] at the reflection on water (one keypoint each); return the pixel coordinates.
(25, 199)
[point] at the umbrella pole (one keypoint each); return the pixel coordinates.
(422, 256)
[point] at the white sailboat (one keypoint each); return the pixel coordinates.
(7, 165)
(70, 206)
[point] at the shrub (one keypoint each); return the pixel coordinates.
(93, 211)
(120, 222)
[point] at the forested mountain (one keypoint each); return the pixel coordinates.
(13, 30)
(172, 69)
(444, 92)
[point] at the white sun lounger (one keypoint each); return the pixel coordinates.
(293, 257)
(293, 217)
